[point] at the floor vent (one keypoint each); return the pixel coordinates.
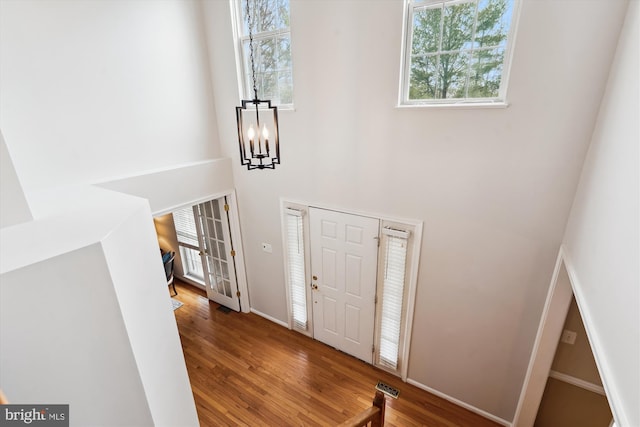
(387, 389)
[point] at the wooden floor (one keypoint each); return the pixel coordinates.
(246, 370)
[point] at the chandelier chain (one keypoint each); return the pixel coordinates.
(253, 66)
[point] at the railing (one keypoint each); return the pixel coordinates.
(373, 415)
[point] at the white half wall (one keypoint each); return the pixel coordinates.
(64, 341)
(141, 288)
(178, 186)
(602, 240)
(86, 318)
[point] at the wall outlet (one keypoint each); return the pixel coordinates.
(568, 337)
(267, 248)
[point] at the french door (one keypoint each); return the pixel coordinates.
(344, 257)
(216, 250)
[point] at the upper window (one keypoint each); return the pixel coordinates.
(271, 49)
(456, 51)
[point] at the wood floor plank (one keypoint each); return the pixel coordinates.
(245, 370)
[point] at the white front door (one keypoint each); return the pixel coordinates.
(344, 256)
(218, 266)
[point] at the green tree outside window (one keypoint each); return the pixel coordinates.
(458, 49)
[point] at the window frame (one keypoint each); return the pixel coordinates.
(500, 101)
(183, 245)
(413, 233)
(243, 69)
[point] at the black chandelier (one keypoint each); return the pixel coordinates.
(257, 123)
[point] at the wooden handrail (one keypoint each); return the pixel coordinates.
(373, 414)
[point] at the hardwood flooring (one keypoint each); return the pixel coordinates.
(246, 370)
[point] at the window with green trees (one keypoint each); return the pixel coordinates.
(456, 51)
(271, 49)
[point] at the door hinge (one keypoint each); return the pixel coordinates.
(377, 240)
(233, 253)
(373, 349)
(238, 294)
(375, 299)
(226, 207)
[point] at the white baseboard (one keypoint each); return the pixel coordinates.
(585, 385)
(461, 403)
(191, 282)
(273, 319)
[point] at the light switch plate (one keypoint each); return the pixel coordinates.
(568, 337)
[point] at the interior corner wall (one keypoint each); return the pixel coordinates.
(14, 208)
(168, 240)
(141, 289)
(493, 187)
(91, 90)
(602, 237)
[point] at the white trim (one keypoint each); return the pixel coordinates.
(540, 361)
(411, 298)
(458, 106)
(194, 202)
(330, 207)
(586, 385)
(237, 45)
(543, 350)
(613, 397)
(236, 237)
(273, 319)
(460, 403)
(508, 51)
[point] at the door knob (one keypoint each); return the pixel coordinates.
(315, 277)
(314, 286)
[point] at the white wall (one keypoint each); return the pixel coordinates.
(602, 237)
(97, 89)
(13, 205)
(493, 186)
(41, 321)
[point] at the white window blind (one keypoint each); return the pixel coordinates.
(295, 258)
(186, 227)
(191, 263)
(395, 259)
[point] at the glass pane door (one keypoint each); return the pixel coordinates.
(218, 262)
